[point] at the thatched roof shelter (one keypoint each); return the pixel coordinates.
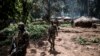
(85, 21)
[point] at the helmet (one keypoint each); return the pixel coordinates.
(21, 25)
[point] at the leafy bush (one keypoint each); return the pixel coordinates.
(8, 32)
(81, 40)
(37, 31)
(39, 23)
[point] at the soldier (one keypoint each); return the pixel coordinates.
(20, 42)
(57, 22)
(72, 23)
(52, 32)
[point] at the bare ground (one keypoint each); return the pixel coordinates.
(65, 46)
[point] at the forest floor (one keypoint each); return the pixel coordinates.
(66, 46)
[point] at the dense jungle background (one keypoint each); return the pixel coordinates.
(82, 38)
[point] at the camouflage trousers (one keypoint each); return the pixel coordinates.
(52, 42)
(19, 53)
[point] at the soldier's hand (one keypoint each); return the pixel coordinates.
(9, 51)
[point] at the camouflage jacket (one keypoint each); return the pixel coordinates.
(20, 41)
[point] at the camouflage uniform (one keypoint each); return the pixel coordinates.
(57, 22)
(52, 31)
(20, 43)
(72, 23)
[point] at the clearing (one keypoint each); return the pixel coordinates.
(65, 46)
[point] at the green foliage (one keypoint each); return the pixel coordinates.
(18, 11)
(81, 41)
(95, 40)
(26, 6)
(14, 10)
(9, 32)
(86, 41)
(36, 11)
(37, 31)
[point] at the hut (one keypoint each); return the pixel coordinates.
(83, 21)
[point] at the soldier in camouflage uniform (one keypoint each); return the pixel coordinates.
(20, 41)
(72, 23)
(57, 22)
(52, 32)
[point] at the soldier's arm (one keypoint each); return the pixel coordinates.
(27, 39)
(12, 46)
(56, 31)
(48, 32)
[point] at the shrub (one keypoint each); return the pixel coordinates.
(8, 32)
(95, 40)
(36, 31)
(87, 41)
(81, 40)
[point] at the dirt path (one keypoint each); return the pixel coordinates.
(65, 46)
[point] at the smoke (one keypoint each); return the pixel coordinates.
(74, 8)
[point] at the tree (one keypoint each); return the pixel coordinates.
(47, 7)
(14, 10)
(26, 7)
(7, 12)
(97, 8)
(94, 10)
